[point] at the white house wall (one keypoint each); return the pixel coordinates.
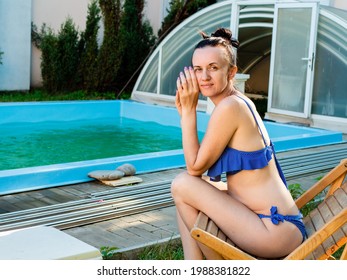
(54, 13)
(15, 41)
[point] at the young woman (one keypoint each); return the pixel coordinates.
(254, 207)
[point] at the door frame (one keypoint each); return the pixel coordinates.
(310, 58)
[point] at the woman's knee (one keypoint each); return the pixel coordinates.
(179, 183)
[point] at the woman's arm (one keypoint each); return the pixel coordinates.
(186, 102)
(221, 127)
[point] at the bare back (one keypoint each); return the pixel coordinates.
(261, 188)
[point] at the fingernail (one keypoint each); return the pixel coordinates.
(185, 68)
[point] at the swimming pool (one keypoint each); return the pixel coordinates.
(55, 142)
(285, 137)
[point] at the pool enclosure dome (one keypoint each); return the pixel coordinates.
(294, 54)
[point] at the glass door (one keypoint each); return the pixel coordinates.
(292, 58)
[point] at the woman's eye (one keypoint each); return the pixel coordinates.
(213, 68)
(197, 70)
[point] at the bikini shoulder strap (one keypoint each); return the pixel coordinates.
(250, 108)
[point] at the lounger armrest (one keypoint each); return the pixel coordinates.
(335, 174)
(318, 237)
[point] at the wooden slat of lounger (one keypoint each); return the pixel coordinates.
(319, 251)
(335, 208)
(212, 228)
(202, 221)
(318, 221)
(341, 196)
(222, 236)
(331, 244)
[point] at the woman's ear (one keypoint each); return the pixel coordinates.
(232, 72)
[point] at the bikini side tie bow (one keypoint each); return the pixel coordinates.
(275, 217)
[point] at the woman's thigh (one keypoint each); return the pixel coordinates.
(226, 211)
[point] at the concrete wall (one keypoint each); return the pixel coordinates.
(15, 42)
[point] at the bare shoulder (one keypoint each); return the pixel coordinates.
(230, 103)
(229, 107)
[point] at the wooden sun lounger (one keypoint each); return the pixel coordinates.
(326, 225)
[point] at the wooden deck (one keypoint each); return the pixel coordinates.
(63, 194)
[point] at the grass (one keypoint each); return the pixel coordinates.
(171, 250)
(168, 251)
(40, 95)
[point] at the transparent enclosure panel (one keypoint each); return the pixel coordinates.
(149, 80)
(330, 82)
(292, 44)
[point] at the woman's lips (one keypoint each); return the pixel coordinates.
(206, 85)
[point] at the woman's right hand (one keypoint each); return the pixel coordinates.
(187, 93)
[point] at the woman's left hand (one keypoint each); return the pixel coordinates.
(187, 94)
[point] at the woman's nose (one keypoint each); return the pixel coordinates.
(205, 75)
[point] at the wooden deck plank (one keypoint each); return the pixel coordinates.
(6, 207)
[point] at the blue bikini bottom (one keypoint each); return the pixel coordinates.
(294, 219)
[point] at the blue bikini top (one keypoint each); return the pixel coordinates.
(233, 161)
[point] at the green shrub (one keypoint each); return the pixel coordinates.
(88, 68)
(180, 10)
(60, 56)
(109, 58)
(68, 56)
(46, 41)
(296, 191)
(136, 39)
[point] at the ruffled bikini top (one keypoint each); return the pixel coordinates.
(233, 161)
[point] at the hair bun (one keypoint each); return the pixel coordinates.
(226, 35)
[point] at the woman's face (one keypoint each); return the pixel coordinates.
(212, 70)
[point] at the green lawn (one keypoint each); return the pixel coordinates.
(39, 95)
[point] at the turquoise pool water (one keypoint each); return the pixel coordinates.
(91, 135)
(45, 143)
